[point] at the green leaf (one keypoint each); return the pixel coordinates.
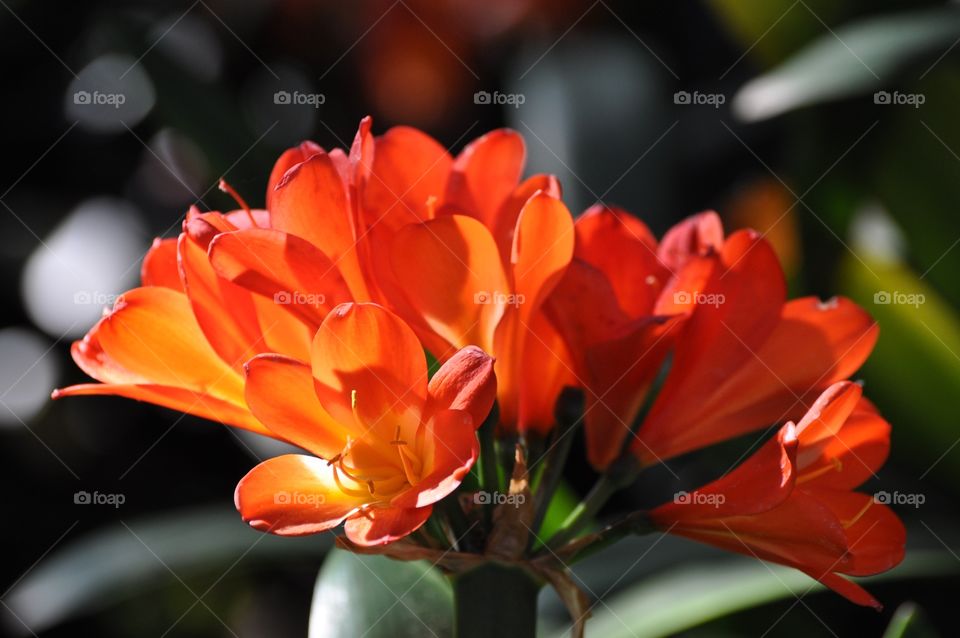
(374, 596)
(909, 622)
(924, 337)
(682, 598)
(855, 59)
(564, 501)
(109, 566)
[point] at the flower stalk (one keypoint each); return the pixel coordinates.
(495, 599)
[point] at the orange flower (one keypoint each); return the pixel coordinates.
(180, 340)
(468, 255)
(388, 444)
(792, 502)
(743, 356)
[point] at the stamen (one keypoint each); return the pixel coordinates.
(396, 438)
(836, 465)
(227, 188)
(858, 516)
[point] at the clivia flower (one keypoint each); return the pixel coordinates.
(308, 322)
(792, 501)
(388, 445)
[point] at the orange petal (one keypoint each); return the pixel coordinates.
(160, 265)
(293, 495)
(153, 334)
(485, 174)
(625, 251)
(290, 158)
(800, 532)
(696, 235)
(853, 455)
(280, 393)
(224, 311)
(282, 267)
(734, 315)
(368, 362)
(465, 382)
(450, 450)
(311, 202)
(179, 399)
(759, 484)
(542, 249)
(549, 368)
(504, 225)
(451, 273)
(409, 167)
(379, 526)
(876, 538)
(619, 373)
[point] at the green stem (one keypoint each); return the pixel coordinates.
(569, 415)
(489, 476)
(495, 600)
(585, 511)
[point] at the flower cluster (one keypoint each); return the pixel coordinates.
(308, 321)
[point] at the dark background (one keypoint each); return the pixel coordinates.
(858, 197)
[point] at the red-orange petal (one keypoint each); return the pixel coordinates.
(759, 484)
(465, 382)
(449, 451)
(293, 495)
(625, 251)
(153, 334)
(368, 362)
(451, 274)
(160, 265)
(283, 267)
(280, 393)
(409, 167)
(311, 202)
(696, 235)
(179, 399)
(379, 525)
(290, 158)
(485, 173)
(734, 315)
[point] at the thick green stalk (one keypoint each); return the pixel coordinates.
(495, 600)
